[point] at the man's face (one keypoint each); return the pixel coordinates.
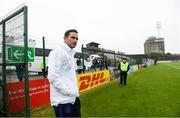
(124, 60)
(71, 40)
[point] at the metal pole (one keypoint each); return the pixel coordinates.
(44, 57)
(114, 59)
(27, 102)
(82, 57)
(4, 86)
(103, 59)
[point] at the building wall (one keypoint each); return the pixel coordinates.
(155, 45)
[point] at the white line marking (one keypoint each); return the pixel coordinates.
(172, 66)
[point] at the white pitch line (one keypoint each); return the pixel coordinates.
(173, 66)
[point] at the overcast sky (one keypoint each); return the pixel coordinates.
(120, 25)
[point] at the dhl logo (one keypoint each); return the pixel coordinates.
(91, 80)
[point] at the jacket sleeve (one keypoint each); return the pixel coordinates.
(55, 76)
(128, 68)
(119, 66)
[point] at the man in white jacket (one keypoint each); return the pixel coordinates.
(64, 94)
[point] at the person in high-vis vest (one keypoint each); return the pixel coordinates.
(43, 68)
(124, 68)
(41, 65)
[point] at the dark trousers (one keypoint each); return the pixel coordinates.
(68, 110)
(20, 75)
(123, 76)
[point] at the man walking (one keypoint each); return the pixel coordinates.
(64, 94)
(124, 68)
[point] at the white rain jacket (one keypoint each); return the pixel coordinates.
(62, 75)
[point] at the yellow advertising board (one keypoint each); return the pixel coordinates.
(90, 80)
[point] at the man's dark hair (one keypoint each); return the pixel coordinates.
(66, 34)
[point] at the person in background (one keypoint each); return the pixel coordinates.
(124, 68)
(44, 69)
(20, 71)
(79, 65)
(89, 65)
(106, 64)
(64, 93)
(41, 66)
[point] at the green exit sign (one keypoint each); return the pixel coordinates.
(16, 54)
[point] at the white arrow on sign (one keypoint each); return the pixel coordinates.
(17, 54)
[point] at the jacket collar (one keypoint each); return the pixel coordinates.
(67, 48)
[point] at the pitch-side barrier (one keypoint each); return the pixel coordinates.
(40, 93)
